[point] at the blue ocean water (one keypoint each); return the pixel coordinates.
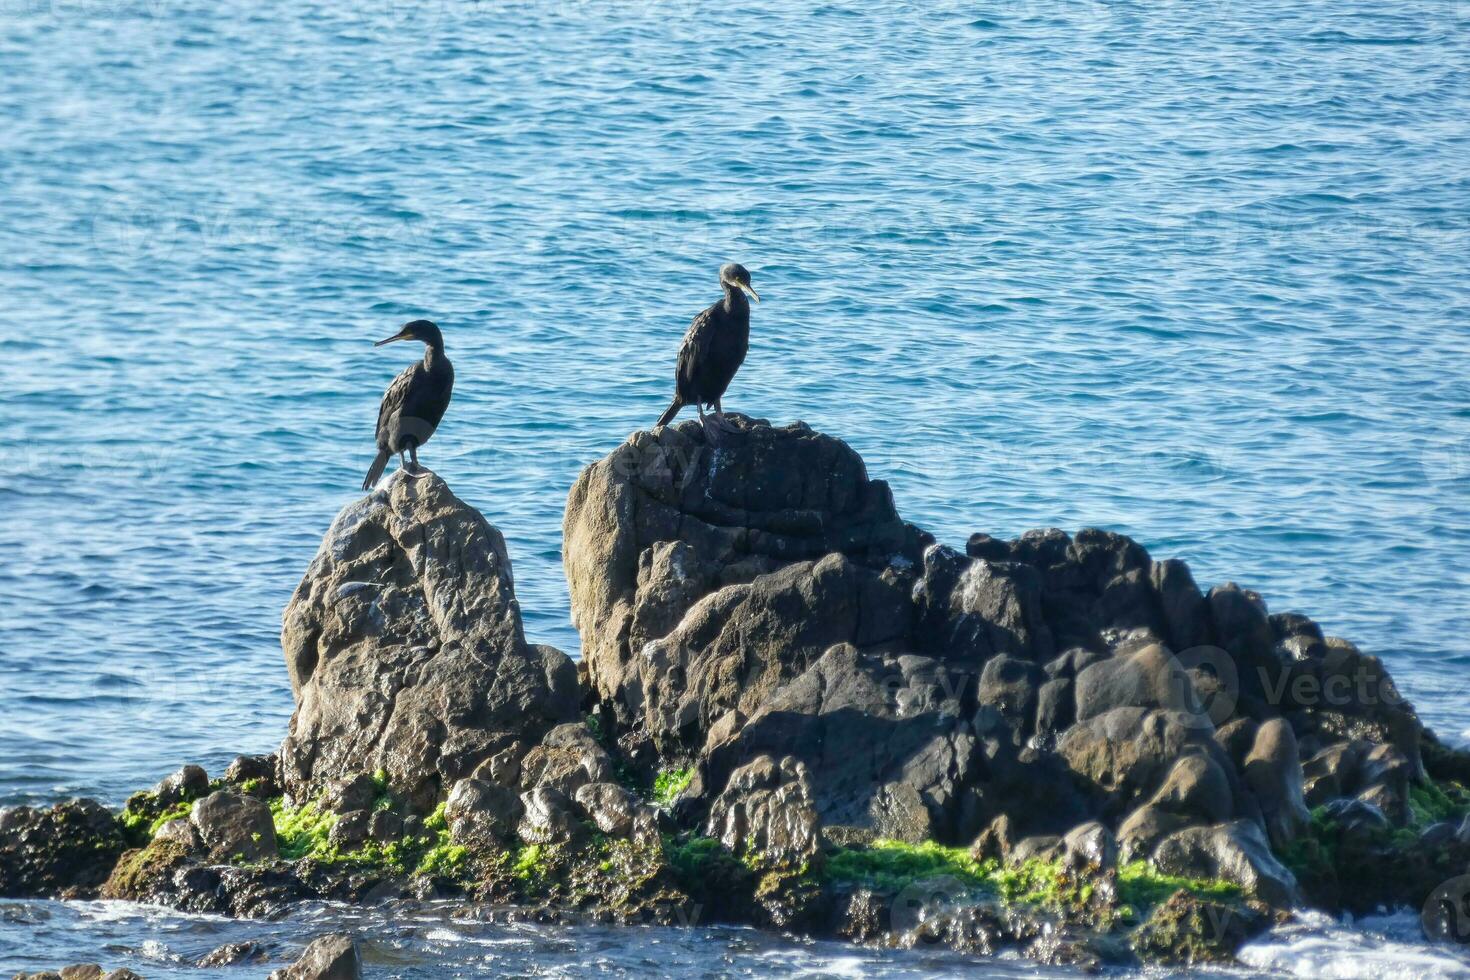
(1194, 272)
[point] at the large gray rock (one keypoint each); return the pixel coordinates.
(1237, 852)
(882, 737)
(1273, 771)
(548, 817)
(1150, 677)
(971, 609)
(668, 522)
(233, 827)
(763, 598)
(406, 652)
(615, 810)
(482, 815)
(334, 957)
(1197, 787)
(567, 759)
(1125, 754)
(736, 646)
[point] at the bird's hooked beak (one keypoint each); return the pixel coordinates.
(400, 335)
(749, 291)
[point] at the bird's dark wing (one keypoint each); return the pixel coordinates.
(396, 397)
(694, 350)
(428, 395)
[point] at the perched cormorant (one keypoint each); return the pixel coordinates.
(714, 348)
(415, 401)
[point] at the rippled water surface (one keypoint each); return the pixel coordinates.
(1195, 272)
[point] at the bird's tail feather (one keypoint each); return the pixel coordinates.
(375, 472)
(670, 412)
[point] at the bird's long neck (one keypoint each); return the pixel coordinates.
(434, 356)
(735, 301)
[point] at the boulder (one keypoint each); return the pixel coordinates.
(346, 794)
(567, 759)
(972, 610)
(738, 645)
(385, 826)
(189, 783)
(350, 831)
(333, 957)
(232, 954)
(1196, 788)
(405, 649)
(66, 850)
(1055, 706)
(1090, 847)
(1273, 771)
(1142, 830)
(547, 817)
(1011, 686)
(1125, 754)
(765, 813)
(1150, 677)
(255, 775)
(233, 827)
(482, 815)
(1237, 852)
(612, 808)
(1186, 614)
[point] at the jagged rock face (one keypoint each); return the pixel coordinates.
(405, 649)
(762, 597)
(883, 739)
(765, 813)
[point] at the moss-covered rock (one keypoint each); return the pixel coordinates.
(67, 850)
(1189, 928)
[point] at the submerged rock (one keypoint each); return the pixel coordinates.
(334, 957)
(406, 652)
(1190, 929)
(1237, 852)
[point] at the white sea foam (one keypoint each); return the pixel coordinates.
(1388, 947)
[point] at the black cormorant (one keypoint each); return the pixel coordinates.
(415, 401)
(714, 348)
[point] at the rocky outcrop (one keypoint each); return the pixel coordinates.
(762, 599)
(668, 523)
(804, 714)
(405, 649)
